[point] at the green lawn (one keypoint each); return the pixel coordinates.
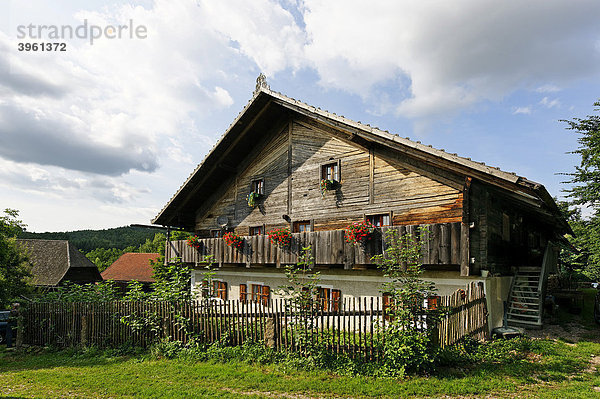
(551, 370)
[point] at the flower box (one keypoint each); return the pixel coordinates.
(253, 199)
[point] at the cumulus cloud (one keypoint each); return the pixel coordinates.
(546, 102)
(54, 183)
(108, 108)
(547, 88)
(522, 110)
(454, 54)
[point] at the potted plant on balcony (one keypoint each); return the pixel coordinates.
(281, 236)
(233, 240)
(326, 185)
(252, 199)
(359, 232)
(193, 241)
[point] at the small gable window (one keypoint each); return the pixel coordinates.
(331, 171)
(258, 186)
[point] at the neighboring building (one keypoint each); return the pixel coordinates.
(55, 261)
(482, 221)
(131, 266)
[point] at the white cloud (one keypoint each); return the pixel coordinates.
(547, 88)
(454, 54)
(546, 102)
(114, 122)
(522, 110)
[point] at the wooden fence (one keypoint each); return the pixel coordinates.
(352, 326)
(440, 246)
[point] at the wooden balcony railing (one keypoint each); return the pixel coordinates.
(440, 246)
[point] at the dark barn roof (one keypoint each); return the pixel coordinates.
(131, 266)
(54, 261)
(268, 108)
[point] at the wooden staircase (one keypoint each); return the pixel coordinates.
(525, 301)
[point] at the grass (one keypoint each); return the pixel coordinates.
(552, 369)
(549, 369)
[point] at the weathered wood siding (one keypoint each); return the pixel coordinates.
(504, 235)
(440, 246)
(373, 180)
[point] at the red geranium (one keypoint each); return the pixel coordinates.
(281, 236)
(193, 241)
(359, 231)
(233, 240)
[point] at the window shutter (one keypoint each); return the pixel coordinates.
(243, 293)
(222, 293)
(266, 293)
(336, 299)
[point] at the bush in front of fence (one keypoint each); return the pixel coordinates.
(409, 344)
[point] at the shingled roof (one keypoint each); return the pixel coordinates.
(53, 261)
(267, 105)
(131, 266)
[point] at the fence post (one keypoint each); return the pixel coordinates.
(15, 313)
(84, 330)
(270, 332)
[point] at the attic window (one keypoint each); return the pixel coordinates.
(330, 171)
(258, 186)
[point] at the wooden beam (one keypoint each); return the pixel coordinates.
(371, 177)
(464, 231)
(289, 168)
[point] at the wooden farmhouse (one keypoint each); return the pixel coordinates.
(316, 172)
(54, 262)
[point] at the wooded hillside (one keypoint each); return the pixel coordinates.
(88, 240)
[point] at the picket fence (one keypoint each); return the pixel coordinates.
(352, 326)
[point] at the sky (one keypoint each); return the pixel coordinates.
(103, 134)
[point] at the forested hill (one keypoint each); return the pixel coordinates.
(88, 240)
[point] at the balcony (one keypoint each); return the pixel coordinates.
(441, 245)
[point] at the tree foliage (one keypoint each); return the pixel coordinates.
(410, 342)
(586, 178)
(14, 268)
(88, 240)
(585, 191)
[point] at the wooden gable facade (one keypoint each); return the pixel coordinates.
(478, 217)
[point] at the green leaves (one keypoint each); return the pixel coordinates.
(585, 191)
(14, 268)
